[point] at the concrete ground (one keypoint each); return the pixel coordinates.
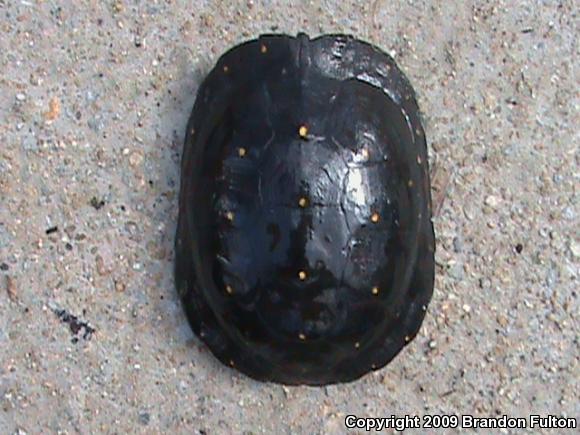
(93, 105)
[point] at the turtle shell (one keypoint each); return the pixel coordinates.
(305, 247)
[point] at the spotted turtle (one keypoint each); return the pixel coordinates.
(305, 247)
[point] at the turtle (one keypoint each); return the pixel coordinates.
(304, 250)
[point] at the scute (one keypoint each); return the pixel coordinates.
(304, 247)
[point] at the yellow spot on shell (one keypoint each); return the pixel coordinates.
(419, 161)
(241, 151)
(230, 216)
(407, 338)
(357, 345)
(232, 362)
(229, 289)
(375, 291)
(410, 183)
(302, 336)
(302, 202)
(375, 218)
(263, 49)
(303, 131)
(226, 69)
(302, 275)
(365, 153)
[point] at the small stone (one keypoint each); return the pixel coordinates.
(456, 271)
(457, 244)
(575, 248)
(155, 250)
(11, 288)
(551, 280)
(119, 286)
(30, 143)
(492, 201)
(466, 308)
(53, 109)
(502, 320)
(96, 123)
(432, 344)
(144, 418)
(20, 97)
(97, 203)
(100, 263)
(135, 159)
(118, 7)
(568, 213)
